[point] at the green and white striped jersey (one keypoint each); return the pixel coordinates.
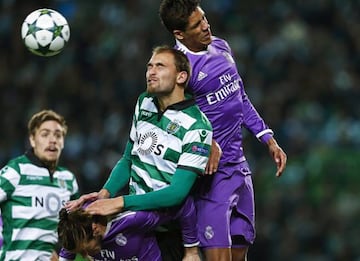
(30, 201)
(179, 137)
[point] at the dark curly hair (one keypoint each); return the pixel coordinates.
(174, 14)
(74, 228)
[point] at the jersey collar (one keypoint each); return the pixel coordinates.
(185, 50)
(188, 102)
(36, 161)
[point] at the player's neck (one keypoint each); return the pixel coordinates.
(168, 100)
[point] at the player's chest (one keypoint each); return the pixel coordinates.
(157, 139)
(213, 72)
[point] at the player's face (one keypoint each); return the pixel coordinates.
(48, 141)
(197, 35)
(161, 74)
(93, 246)
(88, 248)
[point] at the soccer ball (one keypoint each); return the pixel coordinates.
(45, 32)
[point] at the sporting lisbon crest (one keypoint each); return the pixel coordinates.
(173, 127)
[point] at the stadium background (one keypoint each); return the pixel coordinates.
(300, 64)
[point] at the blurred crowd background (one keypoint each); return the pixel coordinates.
(300, 62)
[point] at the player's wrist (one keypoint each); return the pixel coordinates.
(119, 203)
(104, 193)
(189, 251)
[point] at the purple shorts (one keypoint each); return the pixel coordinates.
(225, 207)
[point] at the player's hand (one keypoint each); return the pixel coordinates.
(278, 155)
(106, 207)
(54, 256)
(191, 254)
(214, 158)
(77, 203)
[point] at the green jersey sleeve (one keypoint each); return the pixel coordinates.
(173, 195)
(120, 174)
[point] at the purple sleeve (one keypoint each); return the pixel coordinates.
(142, 221)
(65, 255)
(188, 221)
(253, 121)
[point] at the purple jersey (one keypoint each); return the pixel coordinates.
(130, 235)
(127, 237)
(219, 92)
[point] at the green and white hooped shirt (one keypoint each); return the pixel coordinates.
(30, 200)
(179, 137)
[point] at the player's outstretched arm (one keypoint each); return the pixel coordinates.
(172, 195)
(278, 155)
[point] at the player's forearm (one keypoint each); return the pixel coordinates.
(119, 177)
(254, 122)
(120, 174)
(172, 195)
(153, 200)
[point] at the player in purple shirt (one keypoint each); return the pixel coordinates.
(227, 188)
(127, 236)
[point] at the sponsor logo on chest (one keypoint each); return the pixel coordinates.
(155, 140)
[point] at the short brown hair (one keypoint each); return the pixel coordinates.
(182, 63)
(45, 115)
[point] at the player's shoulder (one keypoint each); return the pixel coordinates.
(15, 162)
(145, 97)
(125, 217)
(201, 120)
(145, 102)
(65, 172)
(220, 43)
(19, 159)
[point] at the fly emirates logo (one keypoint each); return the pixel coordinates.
(229, 86)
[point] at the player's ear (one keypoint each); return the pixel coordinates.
(178, 34)
(182, 77)
(32, 141)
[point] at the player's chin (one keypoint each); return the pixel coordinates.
(96, 248)
(207, 40)
(205, 43)
(94, 251)
(151, 89)
(52, 156)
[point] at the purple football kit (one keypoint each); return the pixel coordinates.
(225, 200)
(130, 235)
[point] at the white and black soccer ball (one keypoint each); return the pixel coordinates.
(45, 32)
